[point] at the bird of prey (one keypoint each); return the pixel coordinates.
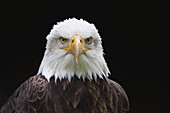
(72, 77)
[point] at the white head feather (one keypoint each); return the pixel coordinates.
(58, 63)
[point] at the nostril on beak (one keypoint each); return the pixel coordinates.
(81, 41)
(72, 41)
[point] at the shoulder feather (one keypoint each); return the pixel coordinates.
(31, 96)
(123, 101)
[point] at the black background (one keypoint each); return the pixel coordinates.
(135, 40)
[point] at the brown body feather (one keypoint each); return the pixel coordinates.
(37, 95)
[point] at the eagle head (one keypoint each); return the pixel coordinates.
(74, 49)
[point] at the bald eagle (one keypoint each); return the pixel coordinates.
(72, 77)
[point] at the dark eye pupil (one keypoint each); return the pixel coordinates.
(89, 40)
(63, 40)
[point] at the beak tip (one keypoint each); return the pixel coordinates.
(77, 61)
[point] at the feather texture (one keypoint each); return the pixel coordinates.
(37, 95)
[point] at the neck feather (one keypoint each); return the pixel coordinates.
(64, 66)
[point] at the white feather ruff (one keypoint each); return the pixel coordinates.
(58, 63)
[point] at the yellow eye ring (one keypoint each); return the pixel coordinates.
(88, 40)
(63, 40)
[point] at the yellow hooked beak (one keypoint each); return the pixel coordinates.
(76, 47)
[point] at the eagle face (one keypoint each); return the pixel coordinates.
(74, 49)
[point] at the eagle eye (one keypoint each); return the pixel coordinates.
(63, 40)
(88, 40)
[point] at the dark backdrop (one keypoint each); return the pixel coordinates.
(135, 41)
